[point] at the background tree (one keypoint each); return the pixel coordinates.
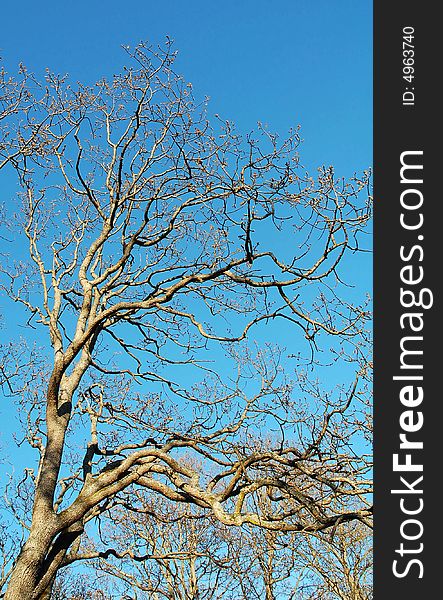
(173, 552)
(339, 563)
(156, 245)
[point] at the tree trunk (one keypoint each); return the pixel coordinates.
(30, 565)
(27, 571)
(269, 591)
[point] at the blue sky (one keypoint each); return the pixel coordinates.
(285, 63)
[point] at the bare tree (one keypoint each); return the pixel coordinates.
(166, 551)
(338, 565)
(156, 243)
(76, 586)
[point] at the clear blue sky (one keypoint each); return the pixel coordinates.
(285, 63)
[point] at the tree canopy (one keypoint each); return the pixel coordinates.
(155, 251)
